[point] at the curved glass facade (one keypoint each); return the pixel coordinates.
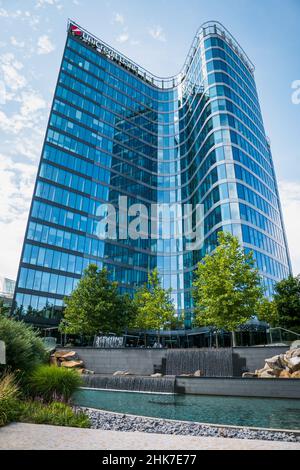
(116, 130)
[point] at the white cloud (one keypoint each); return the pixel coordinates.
(10, 67)
(123, 37)
(17, 181)
(11, 241)
(290, 198)
(27, 117)
(31, 102)
(45, 45)
(157, 33)
(44, 3)
(10, 14)
(24, 16)
(118, 18)
(16, 43)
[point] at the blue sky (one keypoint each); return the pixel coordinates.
(157, 34)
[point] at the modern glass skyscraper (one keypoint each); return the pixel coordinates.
(117, 130)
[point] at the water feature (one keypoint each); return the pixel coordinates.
(139, 384)
(254, 412)
(212, 362)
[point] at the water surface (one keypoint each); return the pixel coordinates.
(254, 412)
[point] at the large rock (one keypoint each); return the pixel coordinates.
(198, 373)
(66, 355)
(249, 375)
(292, 353)
(157, 375)
(53, 360)
(261, 371)
(294, 364)
(88, 372)
(121, 373)
(276, 362)
(72, 364)
(295, 344)
(284, 374)
(268, 374)
(296, 375)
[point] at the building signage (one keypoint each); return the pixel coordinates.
(103, 49)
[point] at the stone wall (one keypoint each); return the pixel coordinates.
(261, 388)
(149, 361)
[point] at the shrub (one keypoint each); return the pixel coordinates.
(24, 347)
(56, 414)
(8, 387)
(51, 383)
(10, 406)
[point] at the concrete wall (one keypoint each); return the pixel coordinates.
(263, 388)
(251, 359)
(144, 361)
(108, 361)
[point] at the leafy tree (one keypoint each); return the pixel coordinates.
(267, 312)
(227, 287)
(4, 309)
(96, 306)
(154, 307)
(287, 300)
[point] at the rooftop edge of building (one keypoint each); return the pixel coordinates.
(207, 29)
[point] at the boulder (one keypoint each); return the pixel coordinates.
(284, 374)
(198, 373)
(296, 375)
(276, 362)
(72, 364)
(295, 352)
(120, 373)
(267, 375)
(260, 371)
(88, 372)
(53, 360)
(295, 344)
(69, 356)
(294, 364)
(249, 375)
(59, 353)
(157, 375)
(292, 353)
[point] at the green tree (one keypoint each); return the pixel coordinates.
(287, 300)
(154, 307)
(227, 287)
(4, 309)
(96, 306)
(267, 312)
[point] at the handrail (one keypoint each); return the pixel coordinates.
(284, 329)
(206, 29)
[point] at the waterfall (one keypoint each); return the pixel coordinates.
(138, 384)
(212, 362)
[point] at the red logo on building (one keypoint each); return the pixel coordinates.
(75, 30)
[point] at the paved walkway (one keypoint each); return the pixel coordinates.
(40, 437)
